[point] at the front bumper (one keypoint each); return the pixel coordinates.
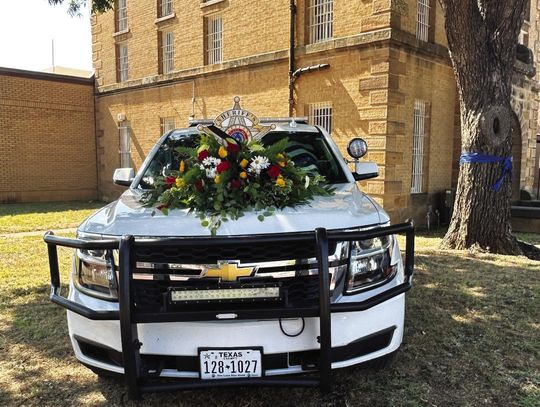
(153, 345)
(356, 337)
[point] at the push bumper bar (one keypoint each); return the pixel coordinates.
(139, 382)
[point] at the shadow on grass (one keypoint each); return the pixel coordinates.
(472, 338)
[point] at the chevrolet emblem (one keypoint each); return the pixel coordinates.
(229, 271)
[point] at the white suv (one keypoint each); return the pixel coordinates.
(308, 290)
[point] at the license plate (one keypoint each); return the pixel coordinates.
(228, 364)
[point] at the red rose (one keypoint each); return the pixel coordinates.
(232, 145)
(222, 166)
(233, 148)
(199, 184)
(274, 171)
(203, 154)
(160, 207)
(236, 184)
(170, 181)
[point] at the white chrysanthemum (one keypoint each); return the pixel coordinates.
(260, 162)
(211, 173)
(211, 161)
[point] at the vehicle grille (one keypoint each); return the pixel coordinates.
(160, 269)
(152, 295)
(255, 253)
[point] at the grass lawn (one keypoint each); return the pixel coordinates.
(42, 216)
(472, 338)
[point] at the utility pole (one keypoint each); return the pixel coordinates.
(52, 52)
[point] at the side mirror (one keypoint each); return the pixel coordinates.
(123, 176)
(365, 170)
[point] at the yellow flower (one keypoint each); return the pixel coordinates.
(217, 180)
(244, 163)
(182, 166)
(243, 174)
(222, 152)
(280, 182)
(281, 160)
(180, 182)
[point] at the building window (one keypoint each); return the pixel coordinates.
(120, 14)
(320, 114)
(420, 137)
(422, 20)
(124, 144)
(168, 124)
(121, 62)
(214, 39)
(167, 51)
(321, 20)
(165, 8)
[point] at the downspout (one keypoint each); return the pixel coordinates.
(192, 115)
(96, 141)
(292, 30)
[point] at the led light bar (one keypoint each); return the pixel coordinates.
(247, 293)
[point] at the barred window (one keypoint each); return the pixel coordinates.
(121, 20)
(420, 137)
(214, 39)
(165, 8)
(321, 20)
(122, 67)
(168, 124)
(422, 20)
(167, 51)
(124, 144)
(320, 114)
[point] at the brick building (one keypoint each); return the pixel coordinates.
(388, 79)
(47, 137)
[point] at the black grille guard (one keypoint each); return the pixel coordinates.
(138, 382)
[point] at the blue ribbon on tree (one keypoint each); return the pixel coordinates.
(486, 158)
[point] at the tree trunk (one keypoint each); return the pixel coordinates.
(482, 39)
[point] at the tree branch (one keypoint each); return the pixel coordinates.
(74, 8)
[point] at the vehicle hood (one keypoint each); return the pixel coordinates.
(347, 208)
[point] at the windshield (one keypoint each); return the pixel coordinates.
(308, 150)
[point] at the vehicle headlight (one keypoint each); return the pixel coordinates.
(370, 263)
(95, 273)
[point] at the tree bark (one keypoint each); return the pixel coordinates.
(482, 40)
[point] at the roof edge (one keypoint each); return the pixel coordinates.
(53, 77)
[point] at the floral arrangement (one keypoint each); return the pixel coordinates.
(220, 180)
